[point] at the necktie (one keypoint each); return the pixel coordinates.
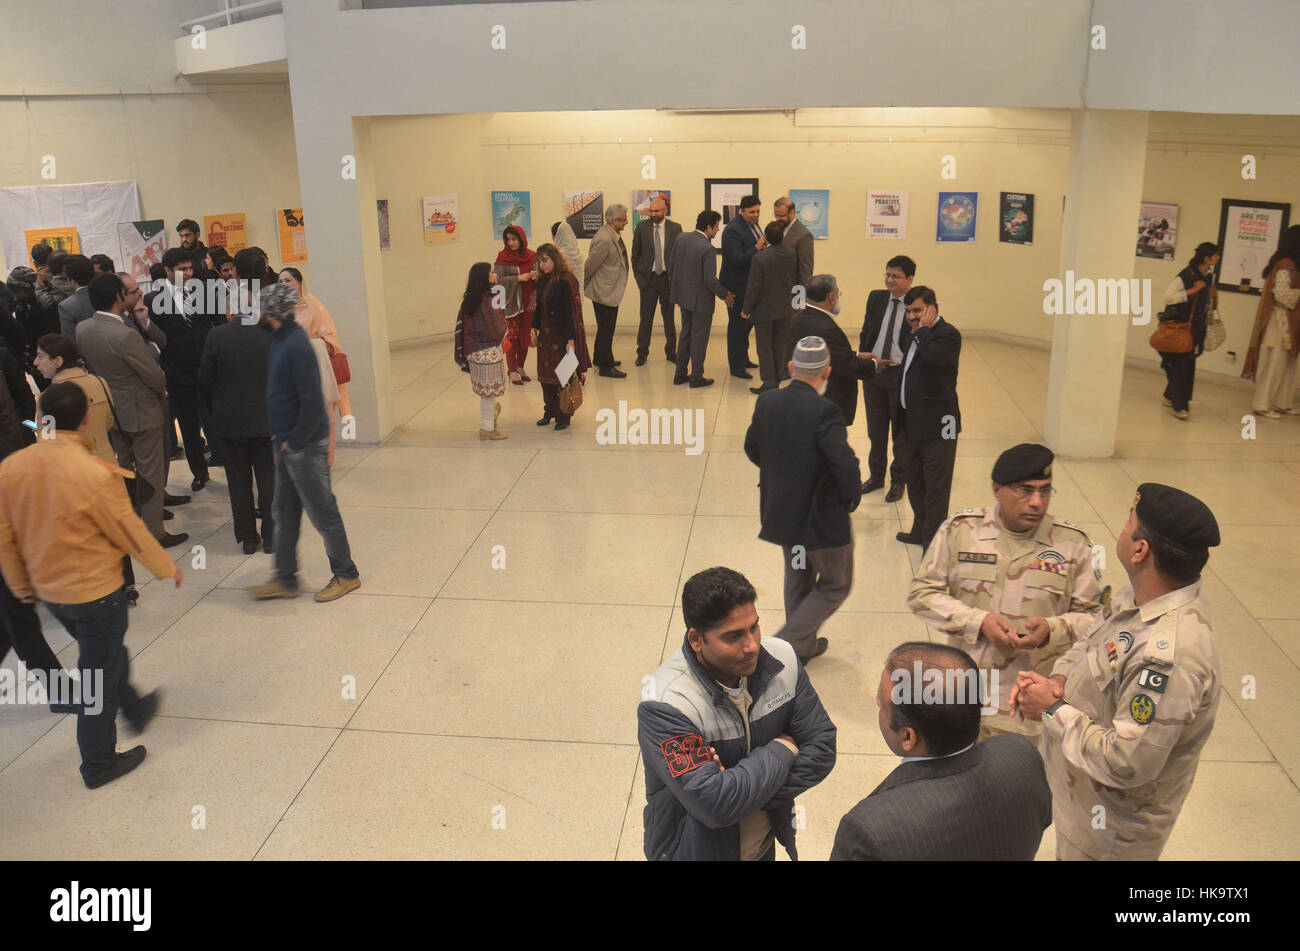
(622, 249)
(659, 248)
(757, 233)
(889, 331)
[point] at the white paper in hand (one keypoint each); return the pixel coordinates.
(564, 369)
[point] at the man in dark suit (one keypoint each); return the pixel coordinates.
(76, 307)
(809, 482)
(886, 333)
(186, 325)
(797, 236)
(652, 261)
(741, 240)
(194, 248)
(951, 799)
(694, 286)
(768, 305)
(931, 416)
(817, 319)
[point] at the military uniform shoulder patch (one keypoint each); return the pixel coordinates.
(1142, 708)
(684, 752)
(1125, 639)
(1154, 680)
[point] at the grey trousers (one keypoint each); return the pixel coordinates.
(816, 584)
(772, 360)
(692, 342)
(143, 453)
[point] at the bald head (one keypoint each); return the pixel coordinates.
(658, 210)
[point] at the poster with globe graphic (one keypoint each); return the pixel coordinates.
(957, 217)
(812, 207)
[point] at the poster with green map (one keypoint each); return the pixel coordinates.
(512, 208)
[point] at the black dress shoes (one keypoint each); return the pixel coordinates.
(169, 499)
(895, 492)
(702, 381)
(640, 361)
(752, 366)
(671, 355)
(871, 485)
(545, 420)
(251, 545)
(198, 483)
(613, 371)
(907, 538)
(763, 389)
(171, 541)
(562, 423)
(124, 763)
(139, 718)
(743, 374)
(818, 650)
(679, 380)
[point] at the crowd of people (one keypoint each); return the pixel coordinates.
(244, 360)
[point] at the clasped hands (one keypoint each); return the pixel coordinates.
(1034, 693)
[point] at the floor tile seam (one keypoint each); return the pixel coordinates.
(294, 799)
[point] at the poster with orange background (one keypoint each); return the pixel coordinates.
(60, 239)
(228, 231)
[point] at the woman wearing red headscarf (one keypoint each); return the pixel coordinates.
(516, 270)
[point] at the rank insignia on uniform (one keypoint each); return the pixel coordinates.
(978, 557)
(1126, 640)
(1112, 654)
(1153, 680)
(684, 752)
(1162, 645)
(1142, 708)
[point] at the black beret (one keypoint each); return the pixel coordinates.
(1020, 463)
(1176, 517)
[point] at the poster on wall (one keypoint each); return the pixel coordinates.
(956, 219)
(60, 239)
(512, 208)
(142, 245)
(1249, 232)
(293, 236)
(641, 199)
(585, 212)
(440, 213)
(226, 231)
(1016, 212)
(812, 207)
(723, 196)
(381, 208)
(1157, 230)
(887, 214)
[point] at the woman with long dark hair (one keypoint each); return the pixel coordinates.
(480, 330)
(1192, 291)
(1275, 339)
(559, 329)
(516, 271)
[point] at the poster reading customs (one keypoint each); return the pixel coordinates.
(1249, 232)
(1157, 230)
(956, 219)
(142, 244)
(439, 214)
(60, 239)
(887, 215)
(641, 199)
(512, 208)
(226, 231)
(584, 212)
(812, 207)
(293, 236)
(1016, 212)
(381, 209)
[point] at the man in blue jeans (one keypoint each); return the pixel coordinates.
(300, 439)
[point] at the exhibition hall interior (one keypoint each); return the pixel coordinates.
(1049, 171)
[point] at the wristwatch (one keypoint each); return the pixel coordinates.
(1050, 711)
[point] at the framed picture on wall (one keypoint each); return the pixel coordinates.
(723, 196)
(1249, 232)
(1157, 230)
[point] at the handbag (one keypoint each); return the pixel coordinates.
(570, 397)
(1173, 335)
(339, 363)
(1215, 332)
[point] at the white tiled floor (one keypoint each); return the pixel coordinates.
(458, 708)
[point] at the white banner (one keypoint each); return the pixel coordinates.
(93, 208)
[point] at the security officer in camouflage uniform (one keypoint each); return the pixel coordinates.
(1009, 584)
(1129, 707)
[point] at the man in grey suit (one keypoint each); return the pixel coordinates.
(137, 385)
(605, 281)
(652, 262)
(796, 236)
(694, 287)
(76, 307)
(952, 798)
(769, 305)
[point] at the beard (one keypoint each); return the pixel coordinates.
(821, 387)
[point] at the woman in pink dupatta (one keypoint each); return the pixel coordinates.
(312, 317)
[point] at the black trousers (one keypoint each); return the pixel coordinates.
(737, 338)
(551, 401)
(170, 442)
(606, 320)
(248, 459)
(884, 411)
(655, 292)
(185, 402)
(20, 628)
(1180, 374)
(929, 484)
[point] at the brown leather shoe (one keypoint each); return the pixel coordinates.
(818, 650)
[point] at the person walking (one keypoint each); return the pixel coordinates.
(558, 330)
(1275, 338)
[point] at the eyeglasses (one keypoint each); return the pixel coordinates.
(1026, 492)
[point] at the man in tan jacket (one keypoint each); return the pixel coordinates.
(604, 281)
(65, 523)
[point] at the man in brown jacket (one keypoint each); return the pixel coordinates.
(65, 523)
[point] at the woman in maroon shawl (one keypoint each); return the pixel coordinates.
(1275, 340)
(516, 270)
(559, 329)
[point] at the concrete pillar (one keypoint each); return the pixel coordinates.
(1098, 241)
